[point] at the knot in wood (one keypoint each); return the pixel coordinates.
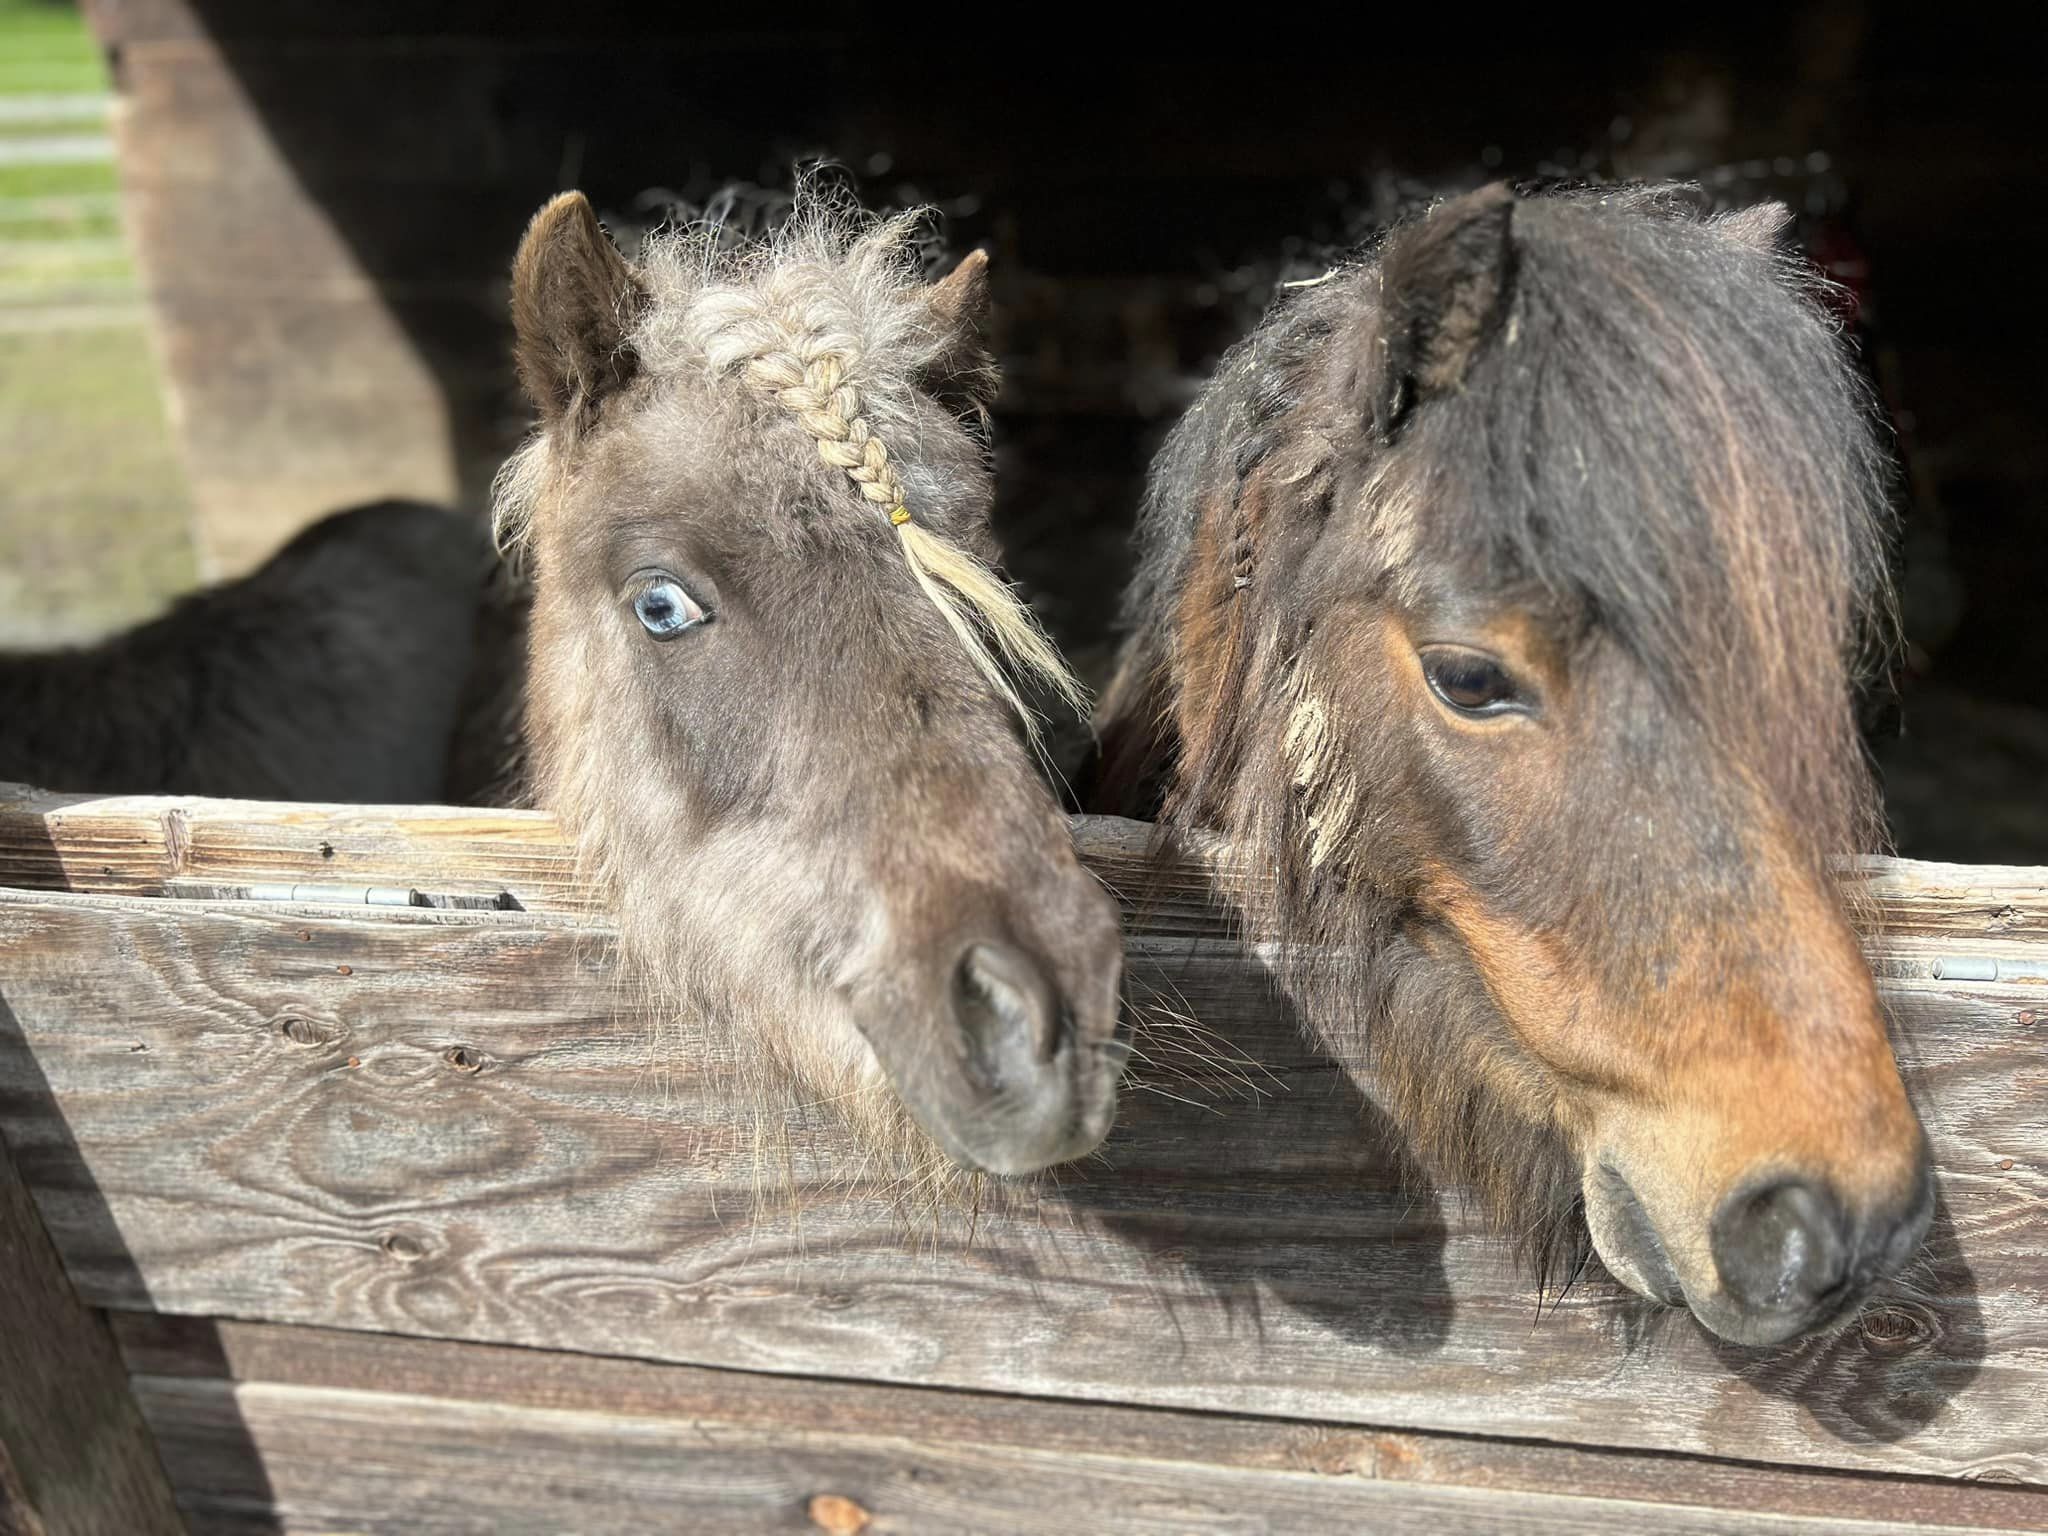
(301, 1030)
(838, 1514)
(402, 1246)
(1895, 1329)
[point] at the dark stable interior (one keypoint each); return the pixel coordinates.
(1142, 193)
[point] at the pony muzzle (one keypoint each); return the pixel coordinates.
(1015, 1073)
(1777, 1257)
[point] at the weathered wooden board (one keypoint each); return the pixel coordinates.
(144, 845)
(449, 1124)
(76, 1458)
(316, 1430)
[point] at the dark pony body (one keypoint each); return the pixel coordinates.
(1603, 453)
(332, 672)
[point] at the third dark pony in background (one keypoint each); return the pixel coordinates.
(331, 672)
(1503, 598)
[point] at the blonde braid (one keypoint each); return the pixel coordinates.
(795, 354)
(820, 395)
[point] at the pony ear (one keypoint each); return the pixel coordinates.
(573, 300)
(963, 375)
(960, 298)
(1761, 228)
(1446, 284)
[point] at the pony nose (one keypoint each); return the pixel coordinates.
(1008, 1012)
(1782, 1248)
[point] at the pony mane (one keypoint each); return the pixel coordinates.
(829, 318)
(1670, 437)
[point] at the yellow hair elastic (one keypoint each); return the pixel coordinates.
(900, 516)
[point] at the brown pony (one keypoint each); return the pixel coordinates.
(1503, 597)
(765, 694)
(332, 672)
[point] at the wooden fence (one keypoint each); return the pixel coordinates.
(387, 1221)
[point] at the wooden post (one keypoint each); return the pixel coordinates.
(271, 328)
(76, 1458)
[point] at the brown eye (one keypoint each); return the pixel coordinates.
(1471, 682)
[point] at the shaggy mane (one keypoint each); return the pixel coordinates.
(1669, 442)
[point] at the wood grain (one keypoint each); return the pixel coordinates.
(381, 1433)
(76, 1458)
(452, 1124)
(377, 1462)
(140, 845)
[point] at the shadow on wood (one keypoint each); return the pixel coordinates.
(453, 1124)
(75, 1456)
(1895, 1366)
(1304, 1193)
(88, 1475)
(363, 1432)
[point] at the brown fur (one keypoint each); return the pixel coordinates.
(1592, 938)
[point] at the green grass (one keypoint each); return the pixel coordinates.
(46, 49)
(50, 273)
(28, 75)
(94, 514)
(56, 222)
(55, 127)
(86, 176)
(82, 393)
(40, 18)
(94, 529)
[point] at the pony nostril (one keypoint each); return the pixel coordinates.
(1782, 1247)
(1007, 1012)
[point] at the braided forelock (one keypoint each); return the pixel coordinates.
(817, 317)
(799, 317)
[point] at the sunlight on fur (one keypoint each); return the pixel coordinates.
(827, 325)
(829, 317)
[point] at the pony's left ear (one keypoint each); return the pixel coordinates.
(963, 375)
(1446, 284)
(573, 305)
(960, 298)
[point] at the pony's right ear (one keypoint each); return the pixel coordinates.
(1446, 284)
(1761, 227)
(573, 304)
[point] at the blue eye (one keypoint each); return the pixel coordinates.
(665, 610)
